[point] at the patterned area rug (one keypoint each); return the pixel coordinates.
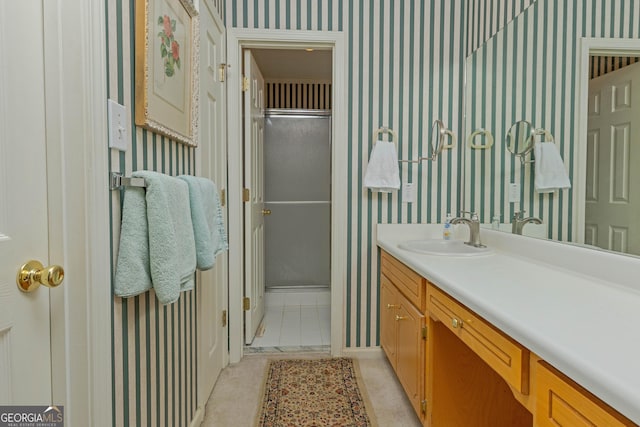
(313, 392)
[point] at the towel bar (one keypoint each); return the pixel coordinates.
(117, 180)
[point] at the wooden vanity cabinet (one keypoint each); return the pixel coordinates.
(508, 358)
(562, 402)
(402, 329)
(472, 373)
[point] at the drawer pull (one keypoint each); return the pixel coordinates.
(390, 306)
(456, 323)
(401, 317)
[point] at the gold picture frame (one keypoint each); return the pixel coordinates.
(166, 61)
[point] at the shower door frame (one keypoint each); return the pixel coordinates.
(237, 40)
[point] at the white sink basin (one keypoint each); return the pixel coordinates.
(443, 247)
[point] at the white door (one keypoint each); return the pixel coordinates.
(254, 207)
(25, 360)
(612, 205)
(213, 284)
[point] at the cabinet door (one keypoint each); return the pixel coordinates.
(562, 402)
(388, 310)
(411, 350)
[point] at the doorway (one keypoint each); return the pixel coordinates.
(613, 147)
(597, 54)
(289, 176)
(297, 177)
(238, 41)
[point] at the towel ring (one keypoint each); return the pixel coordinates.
(548, 136)
(477, 132)
(383, 130)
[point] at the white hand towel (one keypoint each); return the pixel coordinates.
(550, 173)
(383, 174)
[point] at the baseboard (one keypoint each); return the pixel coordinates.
(198, 417)
(363, 353)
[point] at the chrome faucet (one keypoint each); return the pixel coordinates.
(474, 228)
(518, 222)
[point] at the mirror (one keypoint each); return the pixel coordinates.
(439, 134)
(519, 139)
(542, 82)
(437, 142)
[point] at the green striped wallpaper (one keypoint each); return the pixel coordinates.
(154, 347)
(487, 17)
(528, 71)
(405, 70)
(601, 65)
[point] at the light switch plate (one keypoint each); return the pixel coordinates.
(118, 134)
(408, 192)
(514, 192)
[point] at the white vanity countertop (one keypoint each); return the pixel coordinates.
(576, 308)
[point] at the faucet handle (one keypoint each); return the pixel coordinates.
(472, 215)
(519, 214)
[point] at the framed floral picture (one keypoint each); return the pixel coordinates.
(166, 89)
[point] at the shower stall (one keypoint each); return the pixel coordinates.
(297, 178)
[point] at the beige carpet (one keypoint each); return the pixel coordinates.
(311, 393)
(237, 395)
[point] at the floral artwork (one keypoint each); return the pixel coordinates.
(169, 47)
(166, 33)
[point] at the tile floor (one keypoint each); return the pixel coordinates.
(295, 319)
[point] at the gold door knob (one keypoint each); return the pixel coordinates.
(390, 306)
(33, 274)
(456, 323)
(266, 212)
(400, 317)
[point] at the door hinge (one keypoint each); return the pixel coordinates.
(424, 332)
(423, 406)
(222, 72)
(246, 303)
(245, 84)
(224, 318)
(223, 197)
(246, 195)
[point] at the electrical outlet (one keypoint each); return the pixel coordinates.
(514, 193)
(408, 192)
(118, 135)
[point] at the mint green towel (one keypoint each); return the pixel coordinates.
(208, 223)
(157, 246)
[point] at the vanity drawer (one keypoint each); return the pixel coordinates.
(410, 283)
(561, 401)
(508, 358)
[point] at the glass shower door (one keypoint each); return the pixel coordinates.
(297, 156)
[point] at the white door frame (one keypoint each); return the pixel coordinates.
(78, 200)
(591, 46)
(237, 39)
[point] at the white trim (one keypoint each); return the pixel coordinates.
(237, 39)
(76, 96)
(198, 417)
(591, 46)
